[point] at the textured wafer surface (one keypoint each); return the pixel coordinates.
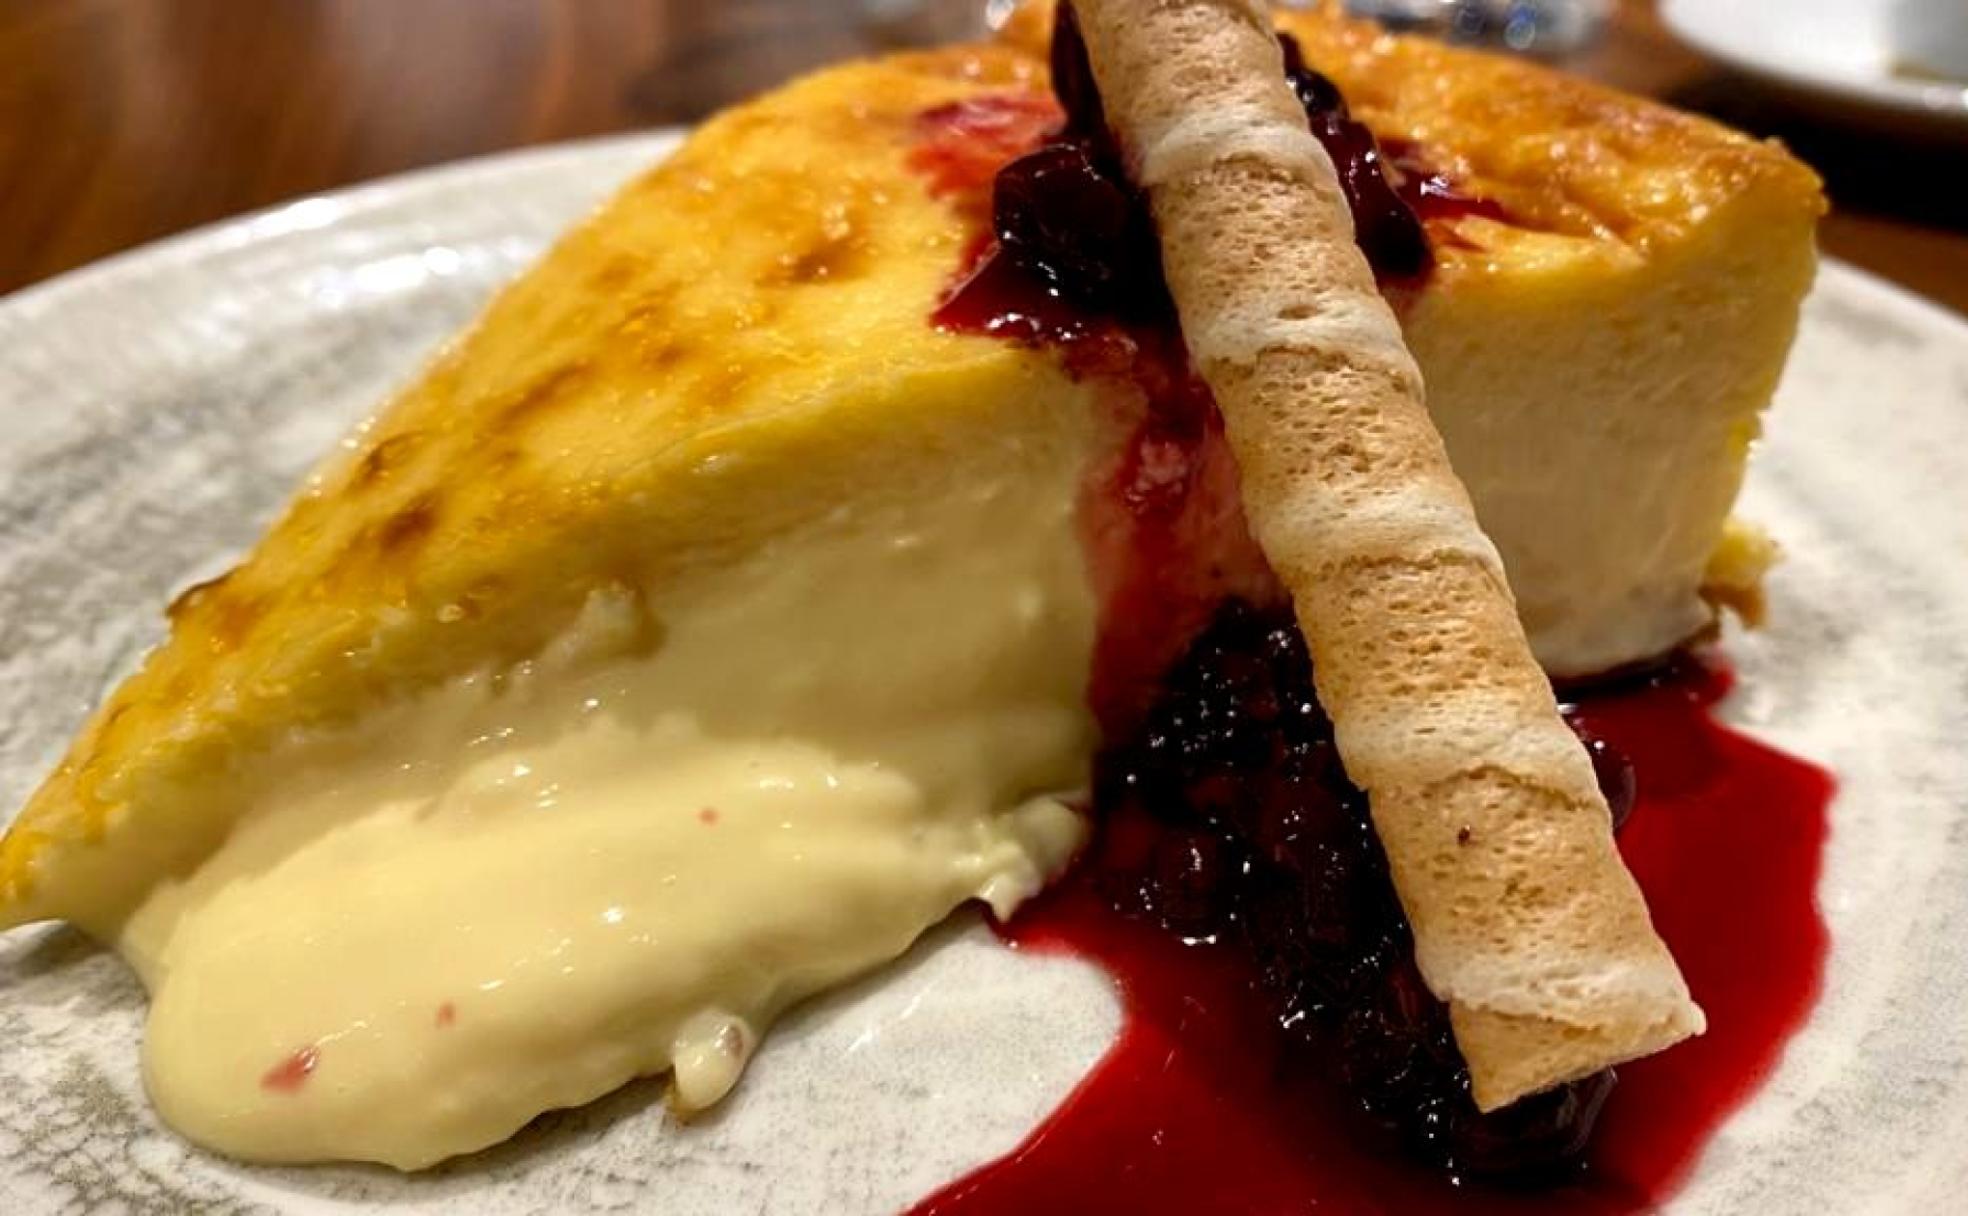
(1526, 921)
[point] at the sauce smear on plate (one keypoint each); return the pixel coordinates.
(1200, 1106)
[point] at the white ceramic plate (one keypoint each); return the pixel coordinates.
(1835, 54)
(156, 408)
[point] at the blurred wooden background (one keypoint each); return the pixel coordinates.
(125, 120)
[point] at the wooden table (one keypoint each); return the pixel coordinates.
(124, 120)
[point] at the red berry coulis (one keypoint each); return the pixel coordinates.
(1279, 1051)
(292, 1071)
(1236, 1088)
(1068, 236)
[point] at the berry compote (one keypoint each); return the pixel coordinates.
(1070, 237)
(1263, 839)
(1277, 1053)
(1280, 1051)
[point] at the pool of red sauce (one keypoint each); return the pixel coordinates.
(1188, 1112)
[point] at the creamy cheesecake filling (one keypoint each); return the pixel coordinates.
(525, 889)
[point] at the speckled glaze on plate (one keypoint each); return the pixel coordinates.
(156, 409)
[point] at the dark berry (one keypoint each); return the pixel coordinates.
(1256, 836)
(1536, 1137)
(1058, 214)
(1617, 780)
(1386, 227)
(1072, 76)
(1189, 883)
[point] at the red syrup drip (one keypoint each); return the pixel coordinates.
(293, 1072)
(961, 146)
(1196, 1108)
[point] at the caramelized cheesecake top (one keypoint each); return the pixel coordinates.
(1577, 169)
(642, 402)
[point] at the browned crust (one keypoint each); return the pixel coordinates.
(541, 457)
(1561, 154)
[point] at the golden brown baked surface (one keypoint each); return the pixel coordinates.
(1564, 156)
(699, 362)
(672, 379)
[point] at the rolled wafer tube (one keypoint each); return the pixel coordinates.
(1526, 922)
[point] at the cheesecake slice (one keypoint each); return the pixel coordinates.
(714, 615)
(1599, 349)
(1614, 290)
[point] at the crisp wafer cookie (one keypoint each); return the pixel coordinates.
(1526, 922)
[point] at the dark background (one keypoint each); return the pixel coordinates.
(124, 120)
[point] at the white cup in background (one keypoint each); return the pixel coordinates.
(1930, 37)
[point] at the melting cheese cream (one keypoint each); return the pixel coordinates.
(526, 889)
